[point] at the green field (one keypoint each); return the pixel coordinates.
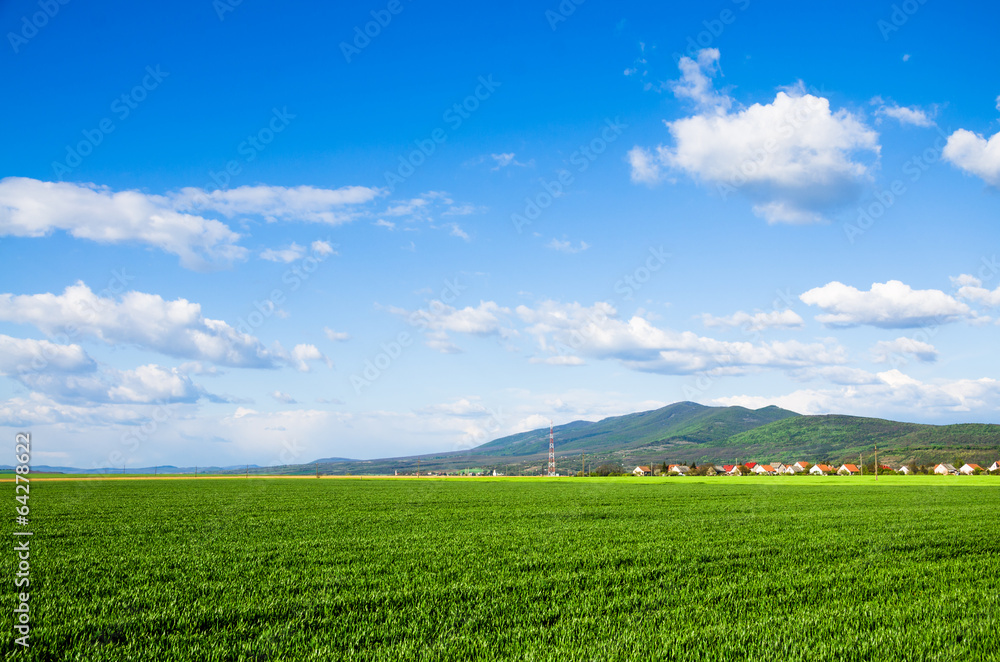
(793, 568)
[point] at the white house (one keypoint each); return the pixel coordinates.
(679, 469)
(792, 469)
(778, 467)
(968, 469)
(802, 465)
(905, 470)
(764, 470)
(821, 469)
(994, 466)
(848, 470)
(945, 469)
(641, 471)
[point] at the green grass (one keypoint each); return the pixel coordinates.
(796, 568)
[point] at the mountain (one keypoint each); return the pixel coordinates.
(682, 422)
(838, 437)
(687, 432)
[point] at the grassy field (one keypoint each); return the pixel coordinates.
(776, 568)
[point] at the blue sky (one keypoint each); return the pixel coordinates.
(243, 233)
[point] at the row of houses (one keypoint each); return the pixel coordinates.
(776, 468)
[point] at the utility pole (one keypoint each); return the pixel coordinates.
(876, 462)
(317, 469)
(861, 465)
(583, 465)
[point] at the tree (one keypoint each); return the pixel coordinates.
(609, 469)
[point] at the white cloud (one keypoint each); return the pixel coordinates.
(794, 157)
(336, 336)
(971, 288)
(456, 231)
(890, 305)
(175, 222)
(778, 319)
(32, 208)
(23, 355)
(175, 328)
(696, 82)
(438, 319)
(903, 114)
(382, 223)
(302, 354)
(149, 384)
(575, 330)
(283, 397)
(274, 203)
(567, 246)
(975, 155)
(39, 409)
(286, 255)
(505, 159)
(323, 248)
(892, 394)
(645, 166)
(886, 351)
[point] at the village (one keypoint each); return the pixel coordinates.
(819, 469)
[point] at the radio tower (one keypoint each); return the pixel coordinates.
(552, 452)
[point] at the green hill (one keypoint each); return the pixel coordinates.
(682, 422)
(687, 432)
(840, 438)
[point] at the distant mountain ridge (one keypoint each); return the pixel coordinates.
(681, 422)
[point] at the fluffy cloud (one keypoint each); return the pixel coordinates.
(21, 355)
(439, 319)
(286, 255)
(152, 384)
(794, 157)
(336, 336)
(890, 305)
(175, 328)
(67, 374)
(778, 319)
(695, 82)
(891, 394)
(903, 114)
(975, 155)
(32, 208)
(302, 354)
(896, 350)
(177, 222)
(323, 248)
(971, 288)
(573, 330)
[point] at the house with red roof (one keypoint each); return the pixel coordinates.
(848, 470)
(968, 469)
(821, 469)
